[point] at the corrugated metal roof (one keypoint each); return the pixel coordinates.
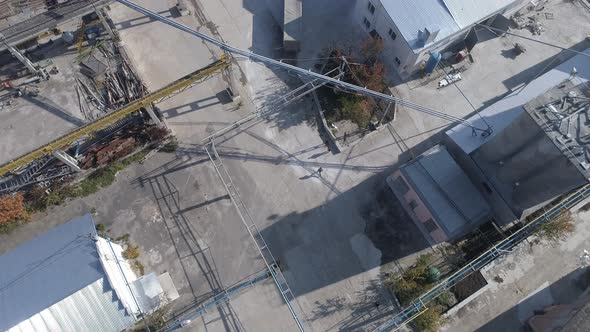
(93, 308)
(446, 189)
(410, 16)
(446, 16)
(467, 13)
(49, 269)
(500, 114)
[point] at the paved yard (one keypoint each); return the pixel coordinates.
(533, 277)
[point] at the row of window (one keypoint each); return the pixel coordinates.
(391, 33)
(402, 187)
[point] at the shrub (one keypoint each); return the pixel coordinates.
(413, 282)
(355, 109)
(156, 321)
(131, 252)
(102, 230)
(157, 133)
(371, 76)
(12, 209)
(170, 146)
(557, 229)
(430, 320)
(372, 48)
(138, 268)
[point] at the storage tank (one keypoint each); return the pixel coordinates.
(432, 62)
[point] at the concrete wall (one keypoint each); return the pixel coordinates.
(381, 22)
(419, 214)
(503, 214)
(526, 166)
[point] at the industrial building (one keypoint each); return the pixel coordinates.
(71, 279)
(439, 196)
(538, 147)
(411, 30)
(537, 150)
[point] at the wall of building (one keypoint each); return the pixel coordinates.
(420, 213)
(503, 214)
(410, 60)
(526, 166)
(381, 22)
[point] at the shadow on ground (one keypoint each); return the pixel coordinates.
(564, 291)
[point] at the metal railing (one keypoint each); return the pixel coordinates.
(110, 119)
(217, 300)
(418, 306)
(254, 232)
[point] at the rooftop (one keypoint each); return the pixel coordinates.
(500, 114)
(56, 281)
(446, 190)
(444, 16)
(563, 114)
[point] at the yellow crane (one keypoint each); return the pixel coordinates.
(169, 90)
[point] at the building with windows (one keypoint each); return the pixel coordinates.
(438, 196)
(412, 29)
(539, 148)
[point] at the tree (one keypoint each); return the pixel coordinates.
(371, 48)
(12, 208)
(557, 229)
(430, 320)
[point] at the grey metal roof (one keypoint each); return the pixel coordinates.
(500, 114)
(93, 308)
(447, 16)
(446, 189)
(468, 12)
(48, 269)
(412, 15)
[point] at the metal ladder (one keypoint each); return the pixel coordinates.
(254, 231)
(17, 181)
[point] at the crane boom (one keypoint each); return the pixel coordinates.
(102, 123)
(303, 72)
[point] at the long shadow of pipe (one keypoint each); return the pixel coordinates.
(52, 108)
(167, 198)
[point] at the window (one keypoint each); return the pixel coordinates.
(400, 185)
(392, 34)
(371, 8)
(430, 225)
(366, 23)
(397, 61)
(413, 204)
(374, 34)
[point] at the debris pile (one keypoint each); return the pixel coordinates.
(107, 82)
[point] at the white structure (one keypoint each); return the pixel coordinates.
(411, 29)
(70, 279)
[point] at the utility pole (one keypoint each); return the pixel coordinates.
(34, 69)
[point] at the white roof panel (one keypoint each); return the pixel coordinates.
(410, 16)
(468, 12)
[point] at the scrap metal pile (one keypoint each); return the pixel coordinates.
(107, 81)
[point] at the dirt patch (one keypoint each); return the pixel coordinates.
(468, 286)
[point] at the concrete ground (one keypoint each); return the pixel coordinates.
(531, 278)
(31, 121)
(496, 72)
(330, 234)
(334, 235)
(325, 231)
